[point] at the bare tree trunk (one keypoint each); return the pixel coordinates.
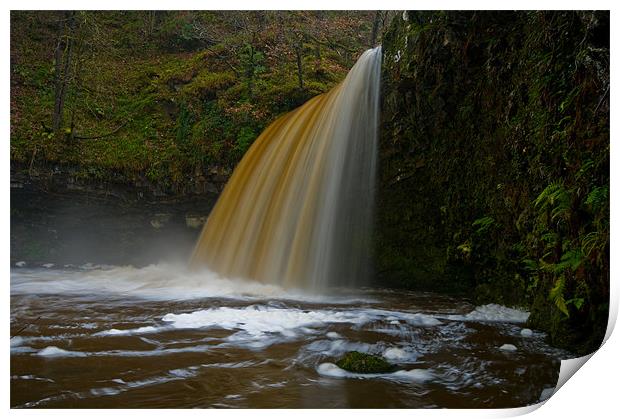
(387, 18)
(65, 42)
(58, 100)
(375, 28)
(251, 73)
(298, 51)
(149, 24)
(152, 17)
(77, 47)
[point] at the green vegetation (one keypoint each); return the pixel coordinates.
(362, 363)
(166, 95)
(495, 163)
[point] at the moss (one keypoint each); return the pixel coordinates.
(483, 112)
(182, 102)
(362, 363)
(206, 85)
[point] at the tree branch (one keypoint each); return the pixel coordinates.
(95, 137)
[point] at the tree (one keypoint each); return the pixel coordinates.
(62, 64)
(375, 28)
(298, 54)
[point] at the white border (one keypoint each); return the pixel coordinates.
(592, 393)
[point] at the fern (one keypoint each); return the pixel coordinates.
(530, 265)
(544, 197)
(483, 224)
(556, 198)
(590, 242)
(557, 296)
(571, 259)
(562, 208)
(549, 237)
(585, 168)
(598, 198)
(577, 302)
(465, 248)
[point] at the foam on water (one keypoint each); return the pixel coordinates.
(254, 326)
(136, 331)
(31, 377)
(508, 347)
(228, 335)
(415, 375)
(415, 319)
(162, 281)
(493, 313)
(256, 320)
(54, 351)
(400, 354)
(336, 348)
(17, 341)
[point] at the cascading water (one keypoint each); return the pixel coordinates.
(297, 210)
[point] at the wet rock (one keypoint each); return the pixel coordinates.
(364, 363)
(526, 333)
(20, 264)
(48, 265)
(195, 221)
(212, 188)
(159, 220)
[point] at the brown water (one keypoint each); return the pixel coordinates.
(163, 337)
(297, 210)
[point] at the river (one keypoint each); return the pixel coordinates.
(160, 336)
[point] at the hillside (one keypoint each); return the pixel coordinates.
(166, 98)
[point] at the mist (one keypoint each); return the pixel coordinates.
(69, 228)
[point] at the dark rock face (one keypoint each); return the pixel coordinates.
(203, 184)
(494, 163)
(56, 218)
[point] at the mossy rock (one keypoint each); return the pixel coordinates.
(364, 363)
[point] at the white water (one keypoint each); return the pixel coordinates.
(252, 324)
(154, 282)
(494, 313)
(414, 375)
(297, 211)
(179, 328)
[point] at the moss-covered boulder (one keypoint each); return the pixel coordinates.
(362, 363)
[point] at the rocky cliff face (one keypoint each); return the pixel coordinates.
(59, 217)
(495, 162)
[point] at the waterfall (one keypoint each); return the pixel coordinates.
(297, 211)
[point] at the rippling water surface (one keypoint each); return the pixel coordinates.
(160, 336)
